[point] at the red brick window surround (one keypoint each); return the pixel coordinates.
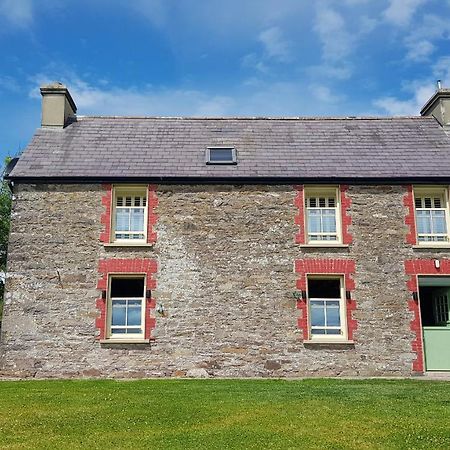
(343, 267)
(109, 267)
(107, 235)
(410, 219)
(345, 218)
(414, 268)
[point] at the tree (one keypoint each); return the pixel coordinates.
(5, 212)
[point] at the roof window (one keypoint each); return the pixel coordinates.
(221, 155)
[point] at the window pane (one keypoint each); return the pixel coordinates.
(314, 221)
(134, 330)
(329, 221)
(333, 315)
(221, 154)
(119, 330)
(324, 288)
(137, 219)
(118, 312)
(127, 287)
(317, 314)
(335, 331)
(318, 331)
(424, 222)
(123, 219)
(438, 219)
(134, 313)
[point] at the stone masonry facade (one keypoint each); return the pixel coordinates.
(225, 261)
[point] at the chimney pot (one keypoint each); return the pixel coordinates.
(57, 105)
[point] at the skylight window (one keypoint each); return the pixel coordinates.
(221, 155)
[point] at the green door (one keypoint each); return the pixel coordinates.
(436, 339)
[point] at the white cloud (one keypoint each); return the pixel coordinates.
(419, 50)
(337, 71)
(400, 12)
(9, 84)
(275, 45)
(441, 70)
(252, 98)
(335, 39)
(421, 92)
(324, 94)
(133, 101)
(156, 11)
(254, 61)
(17, 12)
(276, 50)
(423, 39)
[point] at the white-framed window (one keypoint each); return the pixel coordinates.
(129, 224)
(326, 307)
(126, 307)
(221, 155)
(322, 215)
(432, 215)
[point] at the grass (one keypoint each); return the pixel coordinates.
(225, 414)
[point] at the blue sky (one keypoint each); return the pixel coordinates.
(220, 57)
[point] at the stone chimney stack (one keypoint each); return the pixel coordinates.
(438, 106)
(57, 105)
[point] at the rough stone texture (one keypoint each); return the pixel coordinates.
(225, 277)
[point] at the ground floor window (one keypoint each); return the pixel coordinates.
(126, 306)
(326, 307)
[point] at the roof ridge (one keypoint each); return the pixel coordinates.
(289, 118)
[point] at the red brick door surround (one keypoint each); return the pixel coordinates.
(414, 268)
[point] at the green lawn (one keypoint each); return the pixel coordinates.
(221, 414)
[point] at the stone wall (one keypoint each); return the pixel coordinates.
(225, 277)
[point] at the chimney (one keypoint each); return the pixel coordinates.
(438, 106)
(57, 105)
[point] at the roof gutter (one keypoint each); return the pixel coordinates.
(232, 180)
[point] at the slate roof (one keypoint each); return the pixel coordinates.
(108, 148)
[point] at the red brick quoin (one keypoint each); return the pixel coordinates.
(410, 221)
(146, 267)
(413, 268)
(107, 201)
(344, 267)
(346, 220)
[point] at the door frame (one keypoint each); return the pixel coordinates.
(418, 276)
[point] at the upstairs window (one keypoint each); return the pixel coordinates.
(130, 214)
(431, 215)
(221, 155)
(322, 215)
(126, 307)
(326, 308)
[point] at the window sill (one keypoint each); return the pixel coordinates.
(125, 341)
(128, 244)
(328, 342)
(430, 246)
(324, 245)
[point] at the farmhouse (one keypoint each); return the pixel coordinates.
(229, 247)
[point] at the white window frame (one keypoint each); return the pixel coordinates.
(431, 191)
(323, 191)
(233, 160)
(342, 309)
(123, 191)
(125, 336)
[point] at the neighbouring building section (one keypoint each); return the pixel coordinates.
(171, 247)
